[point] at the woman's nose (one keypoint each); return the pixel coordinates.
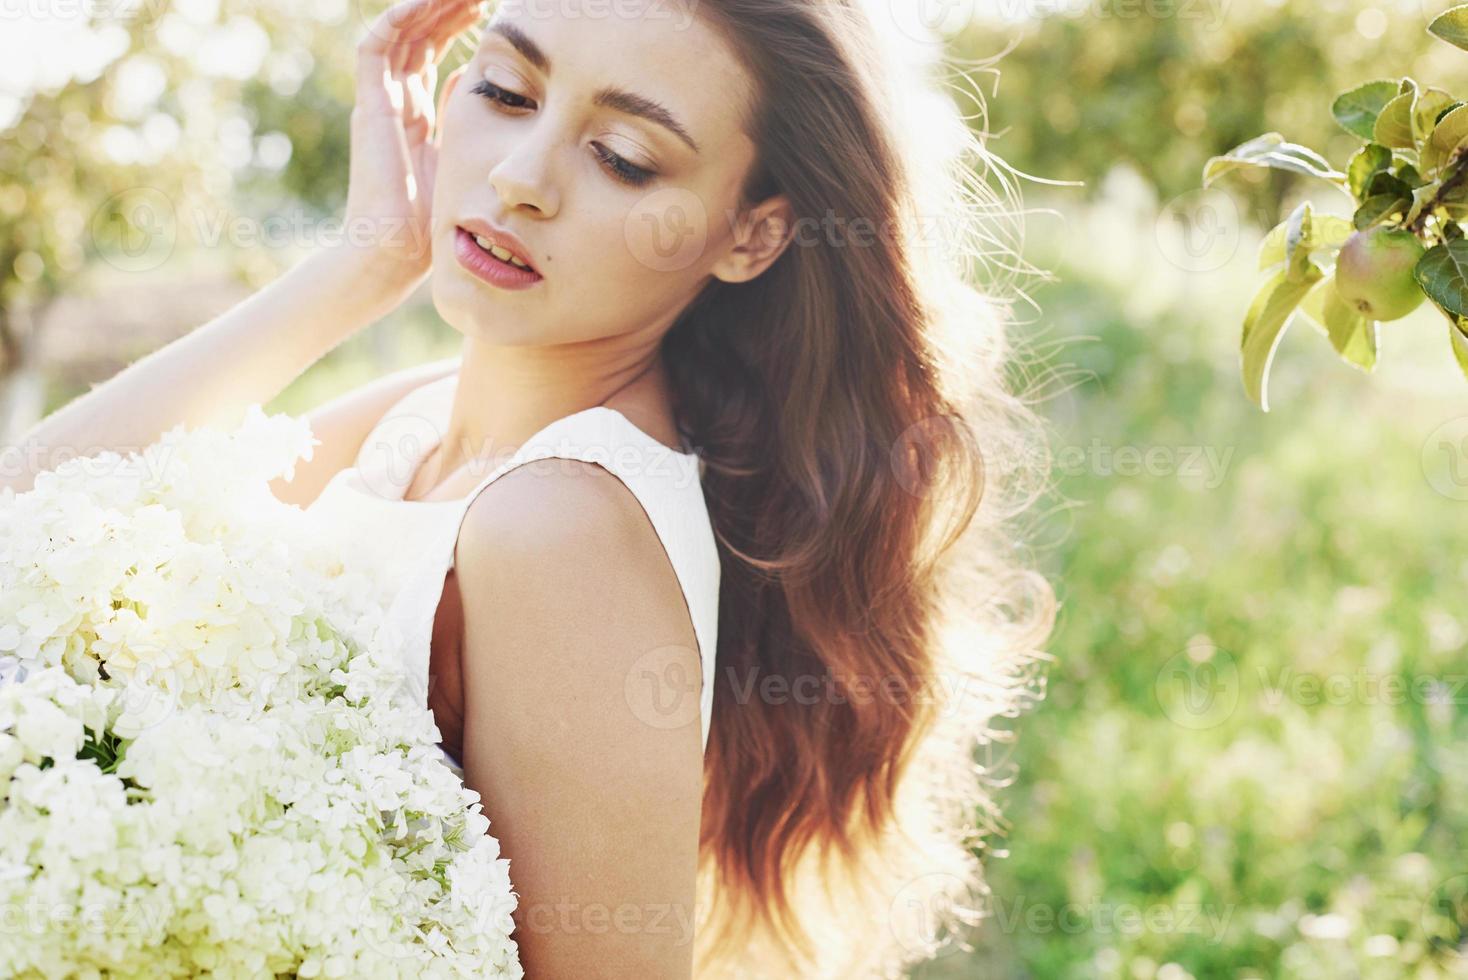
(524, 177)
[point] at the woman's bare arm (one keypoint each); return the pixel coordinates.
(206, 377)
(252, 352)
(593, 792)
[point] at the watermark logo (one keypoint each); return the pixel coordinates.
(918, 453)
(1199, 687)
(661, 688)
(1199, 231)
(667, 230)
(135, 230)
(930, 21)
(388, 461)
(1445, 917)
(1445, 459)
(681, 14)
(568, 918)
(1112, 918)
(921, 912)
(1201, 466)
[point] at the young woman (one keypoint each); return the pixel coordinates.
(726, 397)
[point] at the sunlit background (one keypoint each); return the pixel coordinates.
(1252, 757)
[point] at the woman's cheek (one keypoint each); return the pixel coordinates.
(667, 230)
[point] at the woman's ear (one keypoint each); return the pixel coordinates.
(763, 234)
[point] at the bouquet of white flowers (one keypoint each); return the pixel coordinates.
(208, 760)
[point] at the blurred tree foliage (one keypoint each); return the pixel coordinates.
(1164, 84)
(1248, 761)
(201, 125)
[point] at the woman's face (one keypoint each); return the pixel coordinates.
(607, 138)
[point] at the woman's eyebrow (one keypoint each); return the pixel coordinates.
(617, 99)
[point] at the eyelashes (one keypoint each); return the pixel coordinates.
(503, 96)
(628, 173)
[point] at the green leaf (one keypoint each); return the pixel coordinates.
(1378, 208)
(1441, 274)
(1408, 175)
(1353, 336)
(1297, 243)
(1394, 124)
(1450, 133)
(1326, 233)
(1356, 110)
(1264, 325)
(1452, 26)
(1272, 248)
(1331, 232)
(1457, 191)
(1271, 150)
(1451, 129)
(107, 751)
(1430, 104)
(1458, 337)
(1371, 159)
(1421, 197)
(1384, 182)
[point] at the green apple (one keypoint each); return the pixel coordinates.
(1374, 273)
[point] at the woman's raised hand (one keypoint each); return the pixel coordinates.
(394, 144)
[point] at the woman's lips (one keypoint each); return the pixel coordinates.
(487, 267)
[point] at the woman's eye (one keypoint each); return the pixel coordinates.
(628, 173)
(503, 96)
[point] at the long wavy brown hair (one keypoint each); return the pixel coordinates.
(867, 454)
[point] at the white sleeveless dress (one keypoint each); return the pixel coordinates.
(417, 537)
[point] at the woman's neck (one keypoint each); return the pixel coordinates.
(504, 395)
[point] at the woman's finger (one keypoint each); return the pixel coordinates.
(405, 39)
(421, 85)
(418, 110)
(433, 22)
(374, 56)
(437, 35)
(400, 22)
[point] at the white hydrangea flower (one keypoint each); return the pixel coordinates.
(208, 759)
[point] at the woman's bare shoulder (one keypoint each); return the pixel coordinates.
(568, 548)
(343, 423)
(560, 511)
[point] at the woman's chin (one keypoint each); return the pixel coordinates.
(481, 315)
(464, 301)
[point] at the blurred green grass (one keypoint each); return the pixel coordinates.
(1250, 760)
